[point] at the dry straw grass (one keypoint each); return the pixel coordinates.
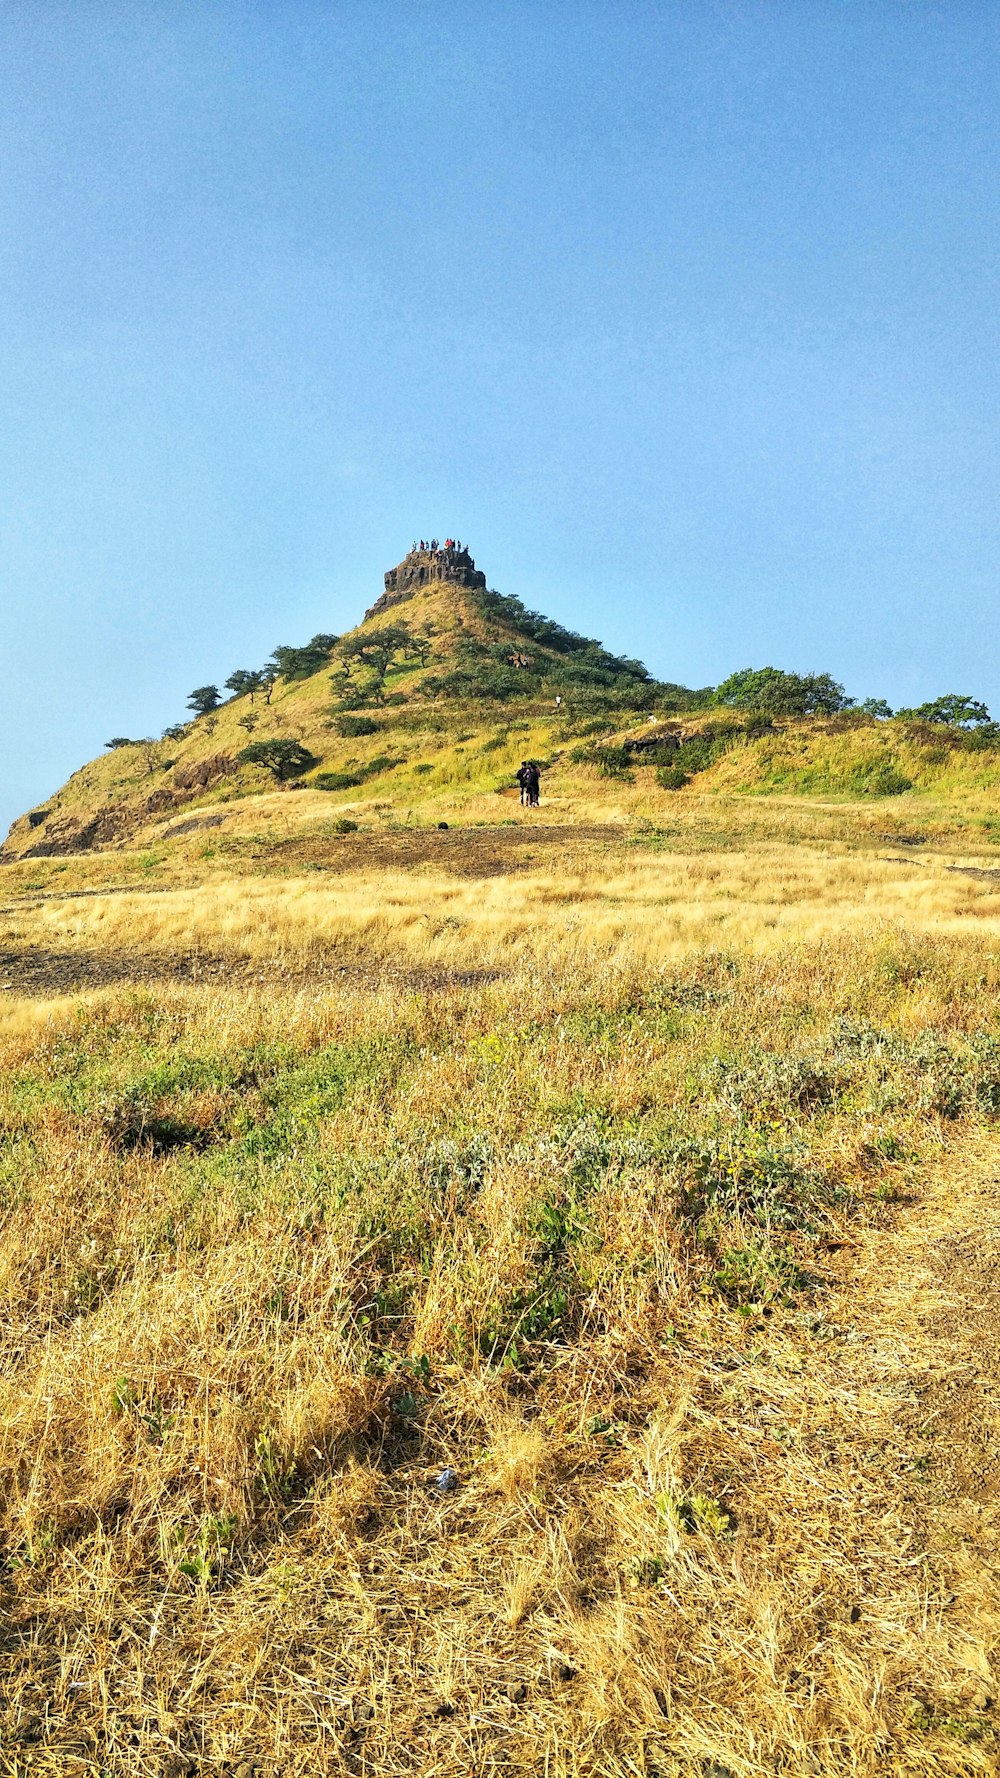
(617, 912)
(614, 1237)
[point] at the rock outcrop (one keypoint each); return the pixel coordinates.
(425, 567)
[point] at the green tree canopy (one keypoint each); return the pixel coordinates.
(204, 699)
(954, 710)
(775, 693)
(244, 682)
(285, 759)
(379, 648)
(302, 663)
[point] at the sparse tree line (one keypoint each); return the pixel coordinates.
(287, 759)
(583, 670)
(771, 692)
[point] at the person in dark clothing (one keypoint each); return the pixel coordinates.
(534, 785)
(523, 778)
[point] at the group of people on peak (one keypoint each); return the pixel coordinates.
(530, 779)
(448, 547)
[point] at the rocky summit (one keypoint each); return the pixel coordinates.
(425, 565)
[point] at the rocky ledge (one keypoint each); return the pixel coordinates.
(425, 566)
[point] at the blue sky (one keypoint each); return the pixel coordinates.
(685, 315)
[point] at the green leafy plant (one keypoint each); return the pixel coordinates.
(283, 759)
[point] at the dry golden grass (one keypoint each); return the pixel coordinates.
(616, 911)
(278, 1256)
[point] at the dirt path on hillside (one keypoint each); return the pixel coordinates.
(929, 1340)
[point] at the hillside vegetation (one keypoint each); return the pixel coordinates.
(424, 711)
(512, 1296)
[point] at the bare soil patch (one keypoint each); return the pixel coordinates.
(462, 851)
(37, 973)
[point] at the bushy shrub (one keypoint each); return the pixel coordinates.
(882, 780)
(671, 777)
(352, 726)
(613, 762)
(337, 781)
(752, 1176)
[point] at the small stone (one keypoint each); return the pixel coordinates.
(447, 1481)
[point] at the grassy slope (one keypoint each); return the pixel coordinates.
(615, 1232)
(450, 758)
(610, 1168)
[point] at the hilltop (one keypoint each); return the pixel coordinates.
(422, 712)
(436, 660)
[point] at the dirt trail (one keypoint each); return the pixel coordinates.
(930, 1348)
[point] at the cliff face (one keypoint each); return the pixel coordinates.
(424, 567)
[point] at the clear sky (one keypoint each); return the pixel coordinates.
(684, 315)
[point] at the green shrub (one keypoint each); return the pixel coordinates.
(889, 782)
(671, 777)
(752, 1176)
(611, 762)
(757, 1272)
(337, 781)
(351, 726)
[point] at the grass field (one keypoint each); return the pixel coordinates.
(503, 1300)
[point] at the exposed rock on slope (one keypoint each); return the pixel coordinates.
(423, 567)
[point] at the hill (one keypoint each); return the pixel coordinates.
(424, 710)
(437, 661)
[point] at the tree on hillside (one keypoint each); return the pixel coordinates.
(204, 699)
(302, 663)
(152, 753)
(378, 650)
(175, 732)
(245, 683)
(770, 691)
(954, 710)
(876, 707)
(117, 741)
(285, 759)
